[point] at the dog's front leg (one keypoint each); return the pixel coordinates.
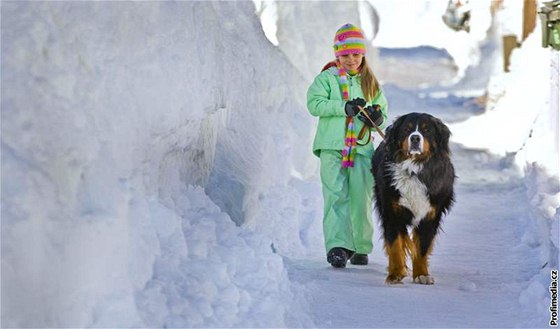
(396, 252)
(422, 239)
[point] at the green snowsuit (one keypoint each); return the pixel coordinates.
(347, 192)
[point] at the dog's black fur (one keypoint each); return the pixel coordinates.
(414, 180)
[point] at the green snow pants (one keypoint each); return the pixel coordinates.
(347, 193)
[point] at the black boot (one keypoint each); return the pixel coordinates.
(338, 256)
(359, 259)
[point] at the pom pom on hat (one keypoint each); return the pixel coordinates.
(349, 39)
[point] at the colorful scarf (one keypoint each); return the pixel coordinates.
(349, 149)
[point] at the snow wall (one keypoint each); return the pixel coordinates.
(135, 138)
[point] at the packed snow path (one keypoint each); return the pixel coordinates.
(479, 264)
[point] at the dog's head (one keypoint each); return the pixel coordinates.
(417, 136)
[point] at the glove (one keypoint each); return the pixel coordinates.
(351, 107)
(374, 113)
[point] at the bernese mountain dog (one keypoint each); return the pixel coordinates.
(414, 180)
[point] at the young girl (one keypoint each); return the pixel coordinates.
(338, 95)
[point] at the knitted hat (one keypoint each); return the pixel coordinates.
(349, 39)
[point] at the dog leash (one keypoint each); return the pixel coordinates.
(362, 133)
(379, 131)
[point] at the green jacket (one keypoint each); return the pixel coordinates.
(324, 100)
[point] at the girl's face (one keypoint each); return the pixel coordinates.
(351, 62)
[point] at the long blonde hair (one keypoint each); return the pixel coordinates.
(370, 85)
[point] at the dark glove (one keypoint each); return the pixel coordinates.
(374, 113)
(351, 108)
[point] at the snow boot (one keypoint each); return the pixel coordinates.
(338, 257)
(359, 259)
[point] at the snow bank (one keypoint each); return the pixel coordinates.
(211, 273)
(543, 190)
(111, 113)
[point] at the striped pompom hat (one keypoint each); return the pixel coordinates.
(349, 39)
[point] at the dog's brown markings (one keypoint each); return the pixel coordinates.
(396, 252)
(404, 146)
(426, 147)
(432, 213)
(419, 262)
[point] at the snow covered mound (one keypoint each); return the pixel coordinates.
(111, 111)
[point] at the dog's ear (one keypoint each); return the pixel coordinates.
(391, 135)
(442, 134)
(388, 133)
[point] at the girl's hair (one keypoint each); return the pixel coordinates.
(370, 85)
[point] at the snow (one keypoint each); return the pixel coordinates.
(524, 114)
(110, 118)
(157, 167)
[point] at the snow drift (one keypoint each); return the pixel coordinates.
(111, 113)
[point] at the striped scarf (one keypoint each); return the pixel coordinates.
(349, 149)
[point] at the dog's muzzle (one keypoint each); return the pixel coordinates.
(415, 143)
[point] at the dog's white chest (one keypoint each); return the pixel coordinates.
(414, 194)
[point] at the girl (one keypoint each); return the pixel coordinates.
(345, 88)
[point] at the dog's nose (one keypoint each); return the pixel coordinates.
(415, 139)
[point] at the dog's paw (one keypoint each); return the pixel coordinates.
(394, 279)
(424, 279)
